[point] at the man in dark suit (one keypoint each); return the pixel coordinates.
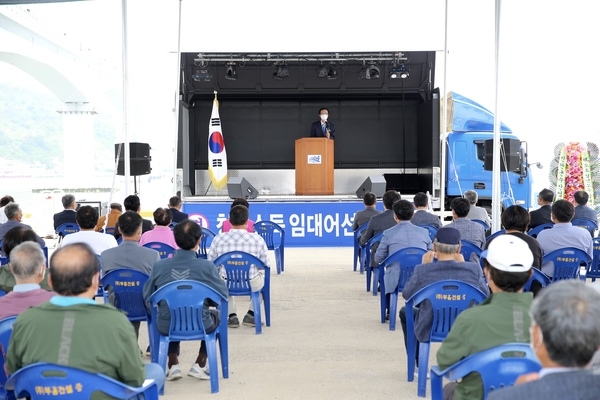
(66, 216)
(542, 215)
(582, 210)
(323, 128)
(565, 335)
(175, 207)
(381, 222)
(422, 216)
(363, 216)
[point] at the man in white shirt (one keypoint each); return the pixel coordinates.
(87, 218)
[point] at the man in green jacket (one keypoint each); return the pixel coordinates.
(72, 329)
(502, 318)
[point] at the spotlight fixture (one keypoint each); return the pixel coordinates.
(231, 74)
(327, 71)
(369, 72)
(202, 75)
(282, 72)
(399, 72)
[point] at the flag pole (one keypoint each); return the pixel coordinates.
(176, 110)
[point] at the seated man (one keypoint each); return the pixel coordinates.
(67, 215)
(469, 230)
(3, 202)
(363, 216)
(582, 210)
(161, 232)
(186, 265)
(380, 223)
(501, 319)
(110, 219)
(543, 214)
(28, 265)
(476, 212)
(91, 336)
(87, 218)
(563, 234)
(239, 239)
(14, 214)
(132, 203)
(175, 207)
(565, 334)
(422, 216)
(450, 265)
(515, 220)
(12, 239)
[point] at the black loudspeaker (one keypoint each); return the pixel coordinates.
(139, 159)
(238, 187)
(512, 148)
(374, 184)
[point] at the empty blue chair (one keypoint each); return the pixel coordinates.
(470, 251)
(237, 266)
(126, 287)
(593, 271)
(498, 367)
(408, 259)
(567, 263)
(535, 231)
(357, 246)
(538, 276)
(42, 380)
(274, 237)
(448, 298)
(431, 229)
(366, 260)
(205, 242)
(164, 250)
(586, 223)
(185, 299)
(6, 327)
(497, 233)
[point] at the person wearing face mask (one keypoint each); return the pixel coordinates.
(565, 335)
(322, 127)
(501, 318)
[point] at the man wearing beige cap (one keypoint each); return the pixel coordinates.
(502, 318)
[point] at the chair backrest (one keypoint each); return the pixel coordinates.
(499, 366)
(534, 232)
(585, 223)
(594, 269)
(493, 235)
(448, 298)
(359, 232)
(272, 233)
(172, 225)
(467, 249)
(110, 230)
(127, 288)
(482, 223)
(205, 242)
(67, 229)
(2, 293)
(237, 267)
(538, 276)
(185, 300)
(431, 229)
(408, 258)
(6, 327)
(567, 262)
(41, 380)
(369, 247)
(164, 250)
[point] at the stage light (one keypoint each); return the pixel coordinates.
(322, 71)
(369, 72)
(399, 72)
(328, 71)
(231, 73)
(282, 72)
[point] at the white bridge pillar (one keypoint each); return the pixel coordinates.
(78, 139)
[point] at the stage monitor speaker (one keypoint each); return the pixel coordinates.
(238, 187)
(374, 184)
(512, 148)
(139, 156)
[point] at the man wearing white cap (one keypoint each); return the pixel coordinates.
(502, 318)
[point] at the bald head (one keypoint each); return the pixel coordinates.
(73, 270)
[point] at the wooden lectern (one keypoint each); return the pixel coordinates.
(314, 166)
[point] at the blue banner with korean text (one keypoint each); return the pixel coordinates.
(306, 224)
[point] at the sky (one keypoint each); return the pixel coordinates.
(547, 82)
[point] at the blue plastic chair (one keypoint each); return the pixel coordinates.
(448, 298)
(274, 237)
(493, 235)
(357, 246)
(482, 223)
(535, 231)
(499, 367)
(205, 242)
(366, 260)
(538, 276)
(41, 380)
(127, 287)
(467, 249)
(586, 223)
(593, 271)
(185, 299)
(408, 259)
(110, 230)
(66, 229)
(2, 293)
(6, 327)
(567, 263)
(172, 225)
(237, 266)
(431, 229)
(164, 250)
